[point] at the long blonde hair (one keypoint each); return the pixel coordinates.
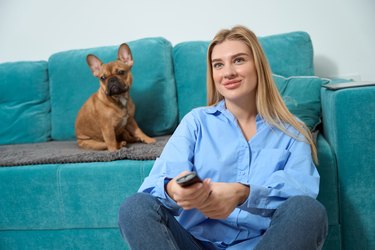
(270, 105)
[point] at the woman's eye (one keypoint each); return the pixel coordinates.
(239, 60)
(217, 65)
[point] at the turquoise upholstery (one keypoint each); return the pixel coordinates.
(75, 205)
(348, 118)
(24, 102)
(289, 54)
(302, 97)
(68, 196)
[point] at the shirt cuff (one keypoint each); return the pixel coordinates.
(164, 198)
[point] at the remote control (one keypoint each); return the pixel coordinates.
(188, 179)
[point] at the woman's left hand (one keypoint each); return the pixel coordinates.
(224, 198)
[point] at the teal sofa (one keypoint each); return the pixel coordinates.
(74, 205)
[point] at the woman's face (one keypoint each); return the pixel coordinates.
(233, 71)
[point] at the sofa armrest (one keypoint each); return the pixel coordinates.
(348, 125)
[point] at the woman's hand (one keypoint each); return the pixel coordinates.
(190, 197)
(224, 198)
(216, 200)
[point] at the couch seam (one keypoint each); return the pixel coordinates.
(59, 194)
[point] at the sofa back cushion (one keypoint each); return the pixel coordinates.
(289, 54)
(24, 102)
(153, 90)
(301, 95)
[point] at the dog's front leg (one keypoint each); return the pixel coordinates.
(109, 137)
(135, 131)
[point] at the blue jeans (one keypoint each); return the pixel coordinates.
(299, 223)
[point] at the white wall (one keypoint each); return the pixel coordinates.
(343, 31)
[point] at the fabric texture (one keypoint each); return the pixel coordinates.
(289, 54)
(66, 196)
(153, 90)
(301, 95)
(54, 152)
(348, 116)
(79, 238)
(24, 102)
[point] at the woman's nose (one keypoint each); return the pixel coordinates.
(229, 72)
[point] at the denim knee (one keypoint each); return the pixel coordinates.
(311, 207)
(314, 214)
(132, 208)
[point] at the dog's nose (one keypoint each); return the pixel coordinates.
(112, 80)
(115, 87)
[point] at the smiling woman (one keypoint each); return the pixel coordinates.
(226, 70)
(255, 160)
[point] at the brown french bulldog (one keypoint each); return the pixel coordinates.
(106, 120)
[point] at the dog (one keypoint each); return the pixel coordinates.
(106, 120)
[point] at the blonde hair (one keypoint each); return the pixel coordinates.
(270, 105)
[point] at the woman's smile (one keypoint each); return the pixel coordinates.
(232, 84)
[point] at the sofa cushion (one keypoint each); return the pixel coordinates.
(24, 102)
(153, 91)
(301, 95)
(67, 196)
(288, 54)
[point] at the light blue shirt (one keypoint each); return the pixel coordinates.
(209, 141)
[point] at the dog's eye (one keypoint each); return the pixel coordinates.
(102, 78)
(121, 72)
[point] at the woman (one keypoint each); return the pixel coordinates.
(255, 158)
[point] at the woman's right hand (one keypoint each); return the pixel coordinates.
(189, 197)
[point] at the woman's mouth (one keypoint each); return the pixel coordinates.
(232, 84)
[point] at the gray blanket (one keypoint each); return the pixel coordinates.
(68, 152)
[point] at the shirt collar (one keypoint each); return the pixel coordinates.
(220, 108)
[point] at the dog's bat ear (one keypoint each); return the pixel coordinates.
(125, 55)
(94, 64)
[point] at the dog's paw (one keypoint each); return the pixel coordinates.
(123, 144)
(112, 149)
(149, 140)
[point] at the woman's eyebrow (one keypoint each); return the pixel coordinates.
(240, 54)
(216, 60)
(232, 56)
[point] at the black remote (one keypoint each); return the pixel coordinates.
(188, 179)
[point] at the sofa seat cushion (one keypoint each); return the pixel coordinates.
(24, 102)
(153, 90)
(289, 54)
(67, 196)
(82, 238)
(62, 195)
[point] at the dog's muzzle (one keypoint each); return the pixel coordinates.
(115, 87)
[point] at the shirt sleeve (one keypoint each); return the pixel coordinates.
(177, 156)
(297, 176)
